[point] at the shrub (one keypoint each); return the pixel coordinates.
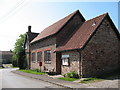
(72, 75)
(36, 70)
(75, 75)
(51, 73)
(65, 75)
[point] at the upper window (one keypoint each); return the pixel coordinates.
(33, 57)
(47, 56)
(39, 56)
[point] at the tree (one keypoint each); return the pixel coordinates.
(19, 53)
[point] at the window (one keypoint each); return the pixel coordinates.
(39, 56)
(33, 57)
(47, 57)
(65, 60)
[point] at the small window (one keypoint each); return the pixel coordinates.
(94, 23)
(47, 57)
(39, 56)
(33, 57)
(65, 60)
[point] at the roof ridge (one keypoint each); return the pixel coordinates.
(62, 21)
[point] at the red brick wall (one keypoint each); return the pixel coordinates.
(101, 55)
(74, 62)
(43, 46)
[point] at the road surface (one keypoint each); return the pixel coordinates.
(12, 80)
(0, 79)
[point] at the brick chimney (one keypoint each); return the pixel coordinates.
(29, 29)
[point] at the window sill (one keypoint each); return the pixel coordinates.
(47, 63)
(66, 65)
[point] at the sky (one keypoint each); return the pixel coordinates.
(17, 15)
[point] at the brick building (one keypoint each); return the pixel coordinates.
(0, 59)
(74, 44)
(6, 57)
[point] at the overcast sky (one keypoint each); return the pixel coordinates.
(16, 15)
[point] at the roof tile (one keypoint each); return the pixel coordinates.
(54, 28)
(82, 34)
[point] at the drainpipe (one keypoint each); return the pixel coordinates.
(29, 62)
(80, 63)
(29, 57)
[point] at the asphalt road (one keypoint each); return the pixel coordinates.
(12, 80)
(0, 79)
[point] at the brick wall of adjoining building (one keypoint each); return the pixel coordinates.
(50, 66)
(74, 63)
(43, 43)
(101, 55)
(46, 44)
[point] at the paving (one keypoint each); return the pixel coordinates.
(46, 78)
(108, 83)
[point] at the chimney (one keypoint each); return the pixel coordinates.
(29, 29)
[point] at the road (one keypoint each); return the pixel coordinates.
(12, 80)
(0, 79)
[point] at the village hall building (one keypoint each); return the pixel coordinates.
(88, 47)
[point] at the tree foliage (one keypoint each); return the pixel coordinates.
(19, 53)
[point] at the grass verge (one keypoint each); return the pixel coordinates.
(15, 67)
(68, 79)
(90, 80)
(33, 72)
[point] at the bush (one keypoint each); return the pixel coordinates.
(51, 73)
(36, 70)
(72, 75)
(65, 75)
(75, 75)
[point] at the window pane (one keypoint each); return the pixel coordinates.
(39, 56)
(47, 56)
(33, 57)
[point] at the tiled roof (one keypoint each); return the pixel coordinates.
(54, 28)
(82, 35)
(32, 35)
(29, 36)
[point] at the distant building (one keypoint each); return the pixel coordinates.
(0, 59)
(6, 57)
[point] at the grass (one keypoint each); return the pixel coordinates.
(90, 80)
(33, 72)
(15, 67)
(68, 79)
